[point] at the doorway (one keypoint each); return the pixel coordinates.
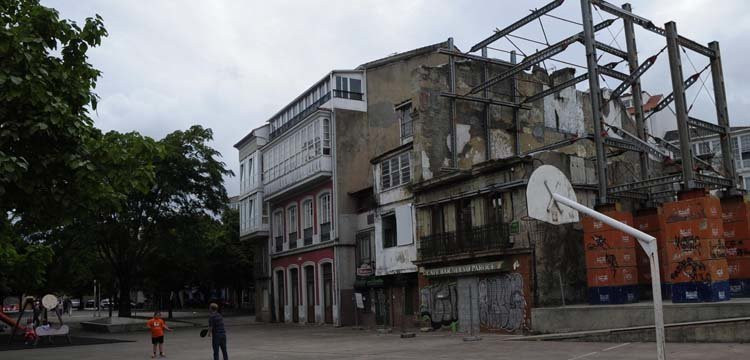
(328, 292)
(310, 293)
(280, 296)
(294, 275)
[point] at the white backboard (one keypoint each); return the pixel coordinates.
(544, 181)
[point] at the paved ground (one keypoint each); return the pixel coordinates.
(314, 342)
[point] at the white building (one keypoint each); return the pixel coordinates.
(706, 144)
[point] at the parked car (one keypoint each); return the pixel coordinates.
(76, 303)
(90, 304)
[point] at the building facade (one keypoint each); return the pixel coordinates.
(254, 215)
(389, 203)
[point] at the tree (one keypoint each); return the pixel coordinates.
(181, 175)
(232, 259)
(46, 88)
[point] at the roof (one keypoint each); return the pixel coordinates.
(247, 137)
(674, 135)
(649, 105)
(405, 55)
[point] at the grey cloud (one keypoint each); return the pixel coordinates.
(229, 65)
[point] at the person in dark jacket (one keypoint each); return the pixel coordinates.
(217, 332)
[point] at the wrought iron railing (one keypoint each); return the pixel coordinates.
(476, 239)
(293, 240)
(299, 117)
(325, 232)
(308, 235)
(279, 244)
(343, 94)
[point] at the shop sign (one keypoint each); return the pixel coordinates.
(364, 270)
(466, 269)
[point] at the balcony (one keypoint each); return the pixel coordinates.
(299, 117)
(293, 240)
(309, 172)
(325, 232)
(342, 94)
(255, 230)
(279, 244)
(477, 239)
(308, 236)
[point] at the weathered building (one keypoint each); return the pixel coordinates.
(483, 262)
(388, 281)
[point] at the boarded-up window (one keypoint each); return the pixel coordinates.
(404, 225)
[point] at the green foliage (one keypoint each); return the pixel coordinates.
(45, 90)
(23, 261)
(232, 259)
(168, 191)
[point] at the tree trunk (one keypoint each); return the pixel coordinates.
(123, 309)
(171, 304)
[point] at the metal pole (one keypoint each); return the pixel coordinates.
(486, 94)
(596, 97)
(452, 81)
(722, 114)
(636, 88)
(648, 243)
(678, 89)
(513, 92)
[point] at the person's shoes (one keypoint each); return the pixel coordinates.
(162, 355)
(153, 355)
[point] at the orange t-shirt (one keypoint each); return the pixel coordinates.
(156, 326)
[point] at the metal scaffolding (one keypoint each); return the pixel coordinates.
(691, 176)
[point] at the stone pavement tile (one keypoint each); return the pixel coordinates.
(272, 341)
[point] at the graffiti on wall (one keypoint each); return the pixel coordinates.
(501, 302)
(439, 303)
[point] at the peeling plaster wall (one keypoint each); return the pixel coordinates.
(397, 259)
(551, 119)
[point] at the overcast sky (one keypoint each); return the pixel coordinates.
(229, 65)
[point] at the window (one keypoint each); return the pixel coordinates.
(436, 215)
(292, 152)
(396, 171)
(355, 89)
(242, 177)
(494, 209)
(404, 116)
(324, 216)
(326, 137)
(307, 221)
(745, 150)
(292, 226)
(249, 219)
(389, 230)
(704, 148)
(348, 88)
(278, 230)
(364, 251)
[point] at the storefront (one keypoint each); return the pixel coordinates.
(492, 295)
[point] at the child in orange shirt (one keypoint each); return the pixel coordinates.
(157, 326)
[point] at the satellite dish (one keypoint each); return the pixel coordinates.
(545, 181)
(49, 301)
